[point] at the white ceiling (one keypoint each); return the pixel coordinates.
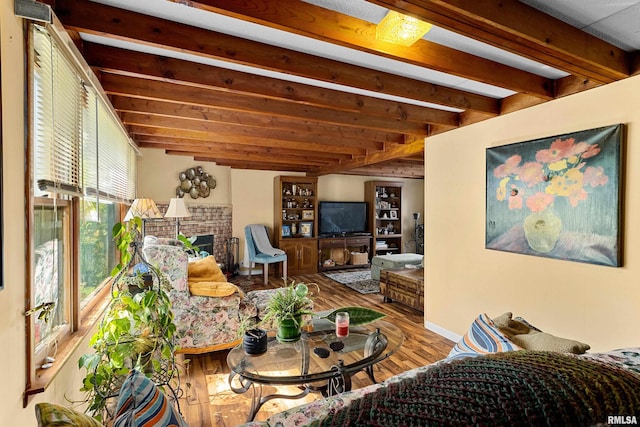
(616, 21)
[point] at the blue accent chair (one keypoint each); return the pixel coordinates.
(260, 258)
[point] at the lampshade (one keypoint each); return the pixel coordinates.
(401, 29)
(177, 209)
(143, 208)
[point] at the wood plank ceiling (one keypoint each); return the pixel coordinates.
(244, 120)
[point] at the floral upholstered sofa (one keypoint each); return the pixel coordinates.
(208, 312)
(500, 384)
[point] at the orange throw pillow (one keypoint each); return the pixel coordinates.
(213, 289)
(205, 270)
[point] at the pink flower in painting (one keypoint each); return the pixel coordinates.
(592, 151)
(578, 149)
(539, 202)
(557, 151)
(515, 199)
(577, 196)
(595, 176)
(559, 171)
(508, 167)
(531, 173)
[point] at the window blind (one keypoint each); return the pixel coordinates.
(58, 129)
(79, 147)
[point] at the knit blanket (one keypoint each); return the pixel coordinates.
(261, 240)
(521, 388)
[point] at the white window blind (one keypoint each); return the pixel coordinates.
(79, 147)
(90, 143)
(114, 155)
(57, 96)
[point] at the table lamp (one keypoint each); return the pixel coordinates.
(177, 209)
(145, 209)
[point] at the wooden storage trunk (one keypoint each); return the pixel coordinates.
(405, 286)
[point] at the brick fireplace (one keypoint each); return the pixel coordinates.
(204, 219)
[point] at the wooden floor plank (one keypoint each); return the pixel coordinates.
(208, 400)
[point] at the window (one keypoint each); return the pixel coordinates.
(52, 271)
(82, 170)
(97, 248)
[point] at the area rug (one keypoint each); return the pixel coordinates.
(359, 281)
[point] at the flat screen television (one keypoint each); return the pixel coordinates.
(338, 218)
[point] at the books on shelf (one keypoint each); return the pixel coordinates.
(381, 244)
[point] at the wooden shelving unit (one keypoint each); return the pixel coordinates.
(295, 220)
(344, 246)
(384, 200)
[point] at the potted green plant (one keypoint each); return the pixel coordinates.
(136, 330)
(287, 307)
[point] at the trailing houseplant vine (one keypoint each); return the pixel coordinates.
(136, 330)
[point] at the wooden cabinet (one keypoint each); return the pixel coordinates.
(336, 252)
(384, 200)
(302, 255)
(295, 221)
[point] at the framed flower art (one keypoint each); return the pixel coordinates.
(557, 197)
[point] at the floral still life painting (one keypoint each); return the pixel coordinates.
(557, 197)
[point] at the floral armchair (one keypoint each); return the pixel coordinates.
(204, 322)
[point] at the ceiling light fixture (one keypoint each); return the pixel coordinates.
(401, 29)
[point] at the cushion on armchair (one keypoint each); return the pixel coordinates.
(511, 326)
(528, 337)
(142, 404)
(205, 270)
(50, 414)
(213, 289)
(483, 337)
(547, 342)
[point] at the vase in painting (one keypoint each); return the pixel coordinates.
(542, 230)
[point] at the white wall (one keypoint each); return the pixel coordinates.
(594, 304)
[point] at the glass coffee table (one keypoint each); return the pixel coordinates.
(315, 363)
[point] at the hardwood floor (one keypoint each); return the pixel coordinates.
(208, 401)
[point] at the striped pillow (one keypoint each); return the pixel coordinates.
(142, 404)
(483, 337)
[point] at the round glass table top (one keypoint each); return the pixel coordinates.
(319, 354)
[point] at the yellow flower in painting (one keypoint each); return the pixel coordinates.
(501, 191)
(560, 165)
(566, 185)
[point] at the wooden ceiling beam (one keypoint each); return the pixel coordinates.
(413, 146)
(94, 18)
(248, 165)
(323, 24)
(230, 130)
(191, 135)
(198, 112)
(158, 90)
(521, 29)
(389, 170)
(197, 146)
(128, 62)
(288, 157)
(250, 157)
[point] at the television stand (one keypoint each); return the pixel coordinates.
(339, 249)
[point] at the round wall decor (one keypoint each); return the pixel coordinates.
(195, 182)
